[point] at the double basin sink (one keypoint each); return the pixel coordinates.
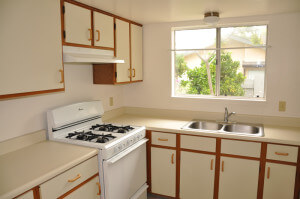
(230, 128)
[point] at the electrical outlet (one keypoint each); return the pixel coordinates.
(111, 101)
(282, 106)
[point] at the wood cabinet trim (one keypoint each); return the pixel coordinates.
(148, 145)
(281, 162)
(261, 177)
(178, 157)
(217, 168)
(198, 151)
(297, 179)
(101, 11)
(239, 156)
(17, 95)
(35, 191)
(163, 147)
(78, 186)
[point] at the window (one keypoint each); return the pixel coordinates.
(226, 62)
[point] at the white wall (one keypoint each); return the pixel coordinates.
(283, 70)
(26, 115)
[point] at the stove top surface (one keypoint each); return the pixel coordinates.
(100, 133)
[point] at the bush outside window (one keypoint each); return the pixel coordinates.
(223, 62)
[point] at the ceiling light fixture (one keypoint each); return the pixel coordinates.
(211, 17)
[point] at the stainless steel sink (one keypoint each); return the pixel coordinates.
(204, 125)
(219, 127)
(242, 128)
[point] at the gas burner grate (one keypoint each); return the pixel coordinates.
(90, 137)
(111, 128)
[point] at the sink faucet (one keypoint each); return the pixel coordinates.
(226, 115)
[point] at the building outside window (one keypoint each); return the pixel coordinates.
(224, 62)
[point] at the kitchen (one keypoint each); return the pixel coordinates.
(152, 97)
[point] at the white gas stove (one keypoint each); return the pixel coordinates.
(119, 146)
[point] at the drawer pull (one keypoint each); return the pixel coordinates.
(99, 187)
(222, 166)
(172, 159)
(133, 72)
(268, 173)
(283, 154)
(212, 164)
(76, 178)
(161, 139)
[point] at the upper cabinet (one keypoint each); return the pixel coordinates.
(30, 50)
(103, 31)
(77, 25)
(122, 51)
(136, 52)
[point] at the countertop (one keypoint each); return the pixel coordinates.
(273, 133)
(28, 167)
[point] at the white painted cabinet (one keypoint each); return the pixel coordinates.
(27, 195)
(136, 52)
(77, 24)
(238, 178)
(122, 51)
(163, 171)
(103, 30)
(197, 173)
(279, 181)
(30, 48)
(90, 190)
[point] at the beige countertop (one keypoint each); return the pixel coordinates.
(275, 134)
(28, 167)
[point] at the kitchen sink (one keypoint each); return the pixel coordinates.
(205, 125)
(225, 128)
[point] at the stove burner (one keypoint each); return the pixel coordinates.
(89, 136)
(105, 138)
(111, 128)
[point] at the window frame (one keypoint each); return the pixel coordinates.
(218, 50)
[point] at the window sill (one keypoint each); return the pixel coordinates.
(220, 98)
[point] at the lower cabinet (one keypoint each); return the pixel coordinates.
(279, 181)
(163, 171)
(238, 178)
(90, 190)
(197, 172)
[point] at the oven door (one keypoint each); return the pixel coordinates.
(125, 173)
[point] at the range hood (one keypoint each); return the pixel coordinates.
(88, 55)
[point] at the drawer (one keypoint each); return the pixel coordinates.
(243, 148)
(66, 181)
(198, 143)
(164, 139)
(282, 153)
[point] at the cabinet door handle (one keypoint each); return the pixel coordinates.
(74, 179)
(129, 73)
(133, 72)
(222, 166)
(99, 187)
(172, 159)
(90, 30)
(62, 80)
(283, 154)
(268, 173)
(212, 164)
(98, 31)
(161, 139)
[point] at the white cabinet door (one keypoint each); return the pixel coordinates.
(77, 21)
(279, 181)
(136, 52)
(163, 171)
(30, 46)
(90, 190)
(238, 178)
(104, 30)
(197, 172)
(122, 51)
(27, 195)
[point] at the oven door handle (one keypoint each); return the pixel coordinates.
(126, 151)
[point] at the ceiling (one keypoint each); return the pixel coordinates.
(157, 11)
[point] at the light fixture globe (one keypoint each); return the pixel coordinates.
(211, 17)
